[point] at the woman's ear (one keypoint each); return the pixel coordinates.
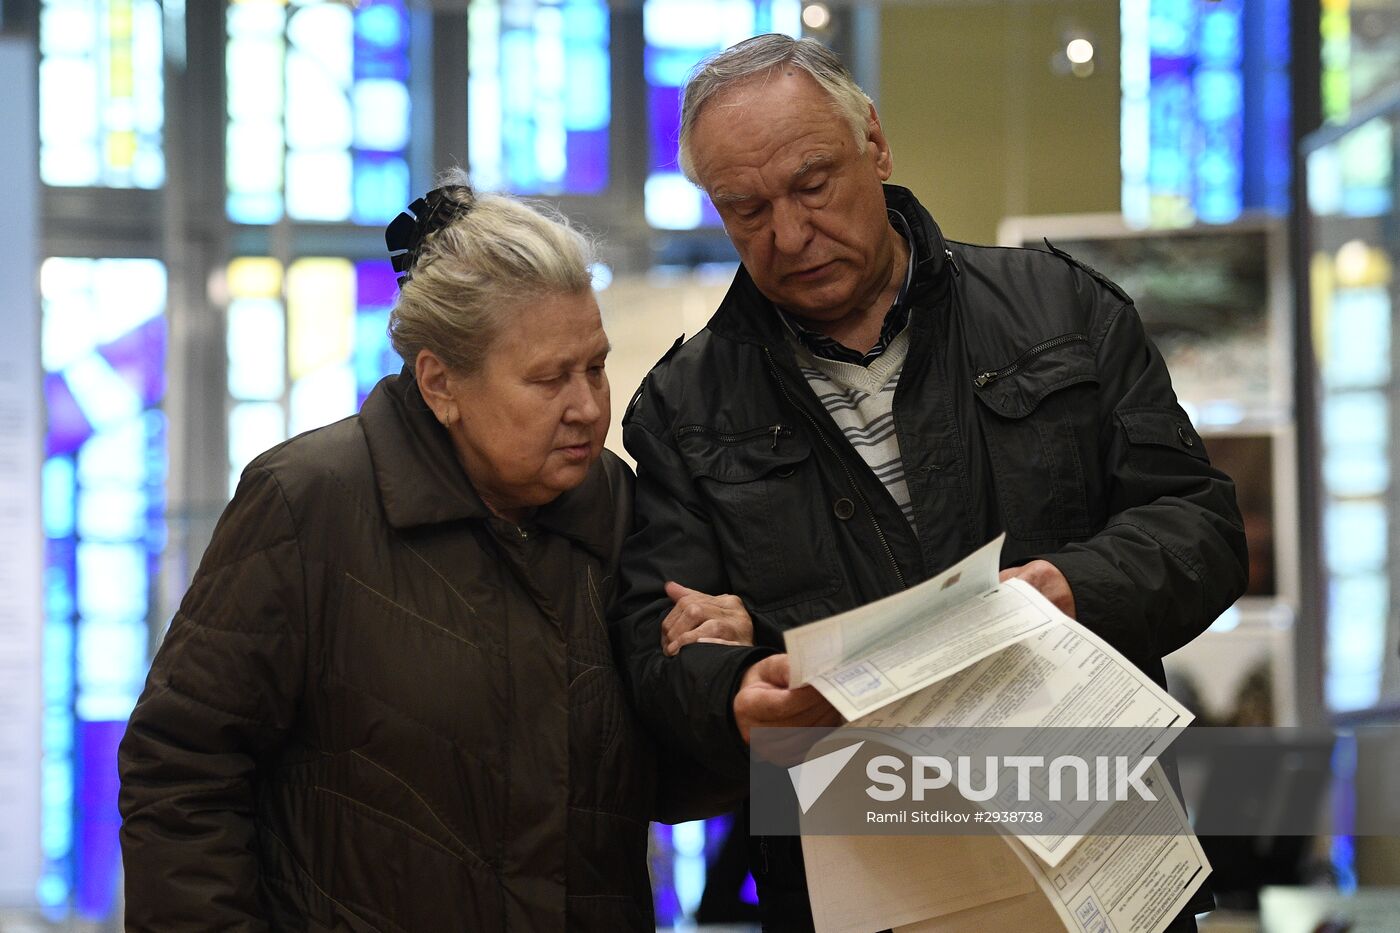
(433, 384)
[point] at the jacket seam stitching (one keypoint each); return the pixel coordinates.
(301, 869)
(409, 612)
(431, 809)
(407, 826)
(1109, 320)
(301, 566)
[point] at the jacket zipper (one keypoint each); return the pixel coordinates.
(993, 374)
(776, 430)
(850, 478)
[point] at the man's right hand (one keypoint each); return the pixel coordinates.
(765, 700)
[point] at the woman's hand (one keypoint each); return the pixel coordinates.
(699, 618)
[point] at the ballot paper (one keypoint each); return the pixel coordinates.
(963, 650)
(1134, 882)
(869, 657)
(1062, 677)
(1134, 876)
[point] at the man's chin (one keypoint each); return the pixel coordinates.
(816, 314)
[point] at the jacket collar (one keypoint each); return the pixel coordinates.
(928, 251)
(421, 482)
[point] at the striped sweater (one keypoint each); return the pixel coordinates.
(860, 399)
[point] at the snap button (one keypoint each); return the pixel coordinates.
(1185, 438)
(784, 471)
(844, 509)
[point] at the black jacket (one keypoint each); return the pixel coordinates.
(1031, 402)
(379, 708)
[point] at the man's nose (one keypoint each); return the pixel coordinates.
(792, 227)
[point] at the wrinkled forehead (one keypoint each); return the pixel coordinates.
(784, 125)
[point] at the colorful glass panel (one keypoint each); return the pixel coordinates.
(679, 33)
(1205, 110)
(103, 349)
(304, 348)
(318, 110)
(101, 93)
(539, 95)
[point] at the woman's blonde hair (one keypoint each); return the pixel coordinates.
(467, 275)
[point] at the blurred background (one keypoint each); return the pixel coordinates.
(194, 270)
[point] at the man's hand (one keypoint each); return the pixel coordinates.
(1047, 578)
(700, 617)
(764, 700)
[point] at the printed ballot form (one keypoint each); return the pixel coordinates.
(965, 651)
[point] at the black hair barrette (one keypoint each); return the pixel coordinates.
(406, 232)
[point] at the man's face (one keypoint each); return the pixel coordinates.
(802, 206)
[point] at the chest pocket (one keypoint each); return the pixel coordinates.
(765, 499)
(1040, 418)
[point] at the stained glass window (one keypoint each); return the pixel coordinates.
(1205, 110)
(539, 95)
(103, 502)
(1350, 195)
(101, 96)
(318, 110)
(679, 33)
(304, 347)
(681, 857)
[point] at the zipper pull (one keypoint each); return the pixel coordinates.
(777, 428)
(951, 261)
(983, 378)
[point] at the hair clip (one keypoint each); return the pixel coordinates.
(406, 232)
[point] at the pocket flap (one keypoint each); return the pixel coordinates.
(1163, 427)
(743, 456)
(1016, 389)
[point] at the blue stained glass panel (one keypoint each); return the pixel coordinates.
(376, 287)
(103, 503)
(587, 166)
(138, 357)
(96, 851)
(663, 108)
(381, 187)
(67, 426)
(382, 26)
(676, 40)
(1217, 134)
(540, 93)
(337, 96)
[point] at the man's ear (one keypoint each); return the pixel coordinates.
(875, 138)
(432, 376)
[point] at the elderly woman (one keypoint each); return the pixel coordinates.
(388, 700)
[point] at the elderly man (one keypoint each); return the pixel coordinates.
(870, 403)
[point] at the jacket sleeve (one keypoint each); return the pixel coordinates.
(685, 701)
(1171, 556)
(222, 692)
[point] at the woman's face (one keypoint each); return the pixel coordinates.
(533, 419)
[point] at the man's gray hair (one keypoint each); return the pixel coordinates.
(496, 256)
(762, 55)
